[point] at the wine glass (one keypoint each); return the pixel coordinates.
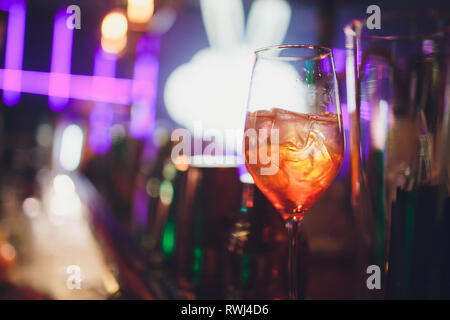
(293, 139)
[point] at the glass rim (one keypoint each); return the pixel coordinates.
(321, 52)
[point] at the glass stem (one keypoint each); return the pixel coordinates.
(292, 225)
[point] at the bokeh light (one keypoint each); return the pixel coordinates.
(71, 147)
(140, 11)
(114, 32)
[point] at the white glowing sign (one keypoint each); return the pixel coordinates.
(71, 147)
(213, 87)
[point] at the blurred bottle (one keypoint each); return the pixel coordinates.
(398, 81)
(146, 198)
(210, 197)
(257, 252)
(165, 190)
(156, 201)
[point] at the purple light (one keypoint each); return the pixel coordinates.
(59, 82)
(60, 85)
(339, 60)
(102, 114)
(144, 87)
(140, 207)
(81, 87)
(101, 118)
(365, 110)
(36, 82)
(345, 168)
(105, 63)
(142, 119)
(427, 47)
(15, 38)
(345, 116)
(104, 72)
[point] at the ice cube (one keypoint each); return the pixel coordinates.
(311, 161)
(315, 148)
